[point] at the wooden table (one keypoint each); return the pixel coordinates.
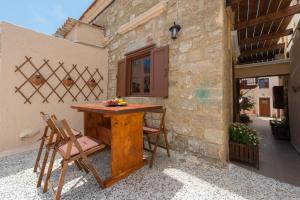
(122, 129)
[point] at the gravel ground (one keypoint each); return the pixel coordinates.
(178, 177)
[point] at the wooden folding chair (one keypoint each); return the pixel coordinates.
(152, 131)
(73, 149)
(42, 145)
(48, 141)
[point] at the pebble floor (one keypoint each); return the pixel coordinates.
(179, 177)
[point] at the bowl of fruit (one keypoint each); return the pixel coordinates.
(115, 102)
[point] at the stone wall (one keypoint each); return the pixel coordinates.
(199, 102)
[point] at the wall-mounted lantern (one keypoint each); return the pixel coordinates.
(174, 30)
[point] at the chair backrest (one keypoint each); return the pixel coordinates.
(161, 111)
(61, 130)
(50, 123)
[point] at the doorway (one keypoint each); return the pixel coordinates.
(264, 107)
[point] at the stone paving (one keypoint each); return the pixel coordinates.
(278, 158)
(180, 177)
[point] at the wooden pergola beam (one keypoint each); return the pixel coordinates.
(285, 12)
(233, 2)
(264, 49)
(256, 59)
(266, 37)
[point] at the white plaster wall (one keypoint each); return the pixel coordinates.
(258, 93)
(294, 97)
(267, 93)
(86, 34)
(17, 117)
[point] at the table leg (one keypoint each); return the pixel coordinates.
(126, 141)
(126, 146)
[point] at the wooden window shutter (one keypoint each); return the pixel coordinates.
(121, 78)
(160, 71)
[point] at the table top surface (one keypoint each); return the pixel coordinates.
(130, 108)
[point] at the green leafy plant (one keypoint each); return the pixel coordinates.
(241, 133)
(246, 103)
(282, 123)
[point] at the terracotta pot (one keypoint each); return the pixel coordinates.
(68, 82)
(37, 79)
(92, 83)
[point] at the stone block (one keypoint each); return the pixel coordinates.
(185, 46)
(179, 142)
(212, 150)
(193, 145)
(195, 55)
(210, 107)
(214, 135)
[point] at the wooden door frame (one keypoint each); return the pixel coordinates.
(264, 98)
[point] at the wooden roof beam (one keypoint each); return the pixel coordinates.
(285, 12)
(264, 49)
(265, 37)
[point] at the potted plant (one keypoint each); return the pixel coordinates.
(92, 83)
(37, 79)
(68, 81)
(243, 144)
(246, 104)
(280, 129)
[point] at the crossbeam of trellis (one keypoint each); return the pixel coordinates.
(79, 75)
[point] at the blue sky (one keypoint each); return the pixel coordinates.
(41, 15)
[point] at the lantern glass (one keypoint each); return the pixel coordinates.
(174, 33)
(174, 30)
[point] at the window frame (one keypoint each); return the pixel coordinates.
(130, 58)
(141, 76)
(159, 72)
(266, 85)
